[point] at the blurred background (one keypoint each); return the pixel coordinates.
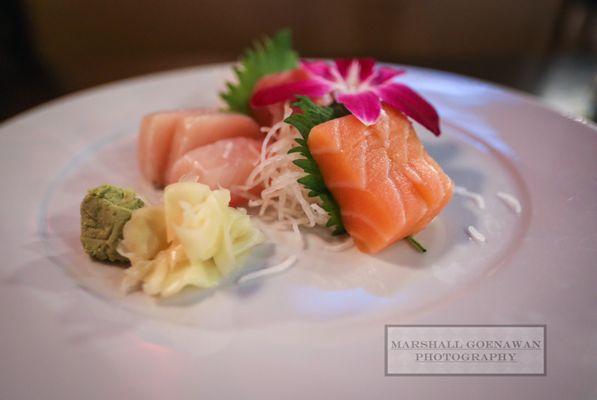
(545, 47)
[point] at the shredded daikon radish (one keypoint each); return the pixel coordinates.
(345, 245)
(474, 234)
(276, 269)
(476, 197)
(283, 198)
(510, 201)
(297, 235)
(318, 210)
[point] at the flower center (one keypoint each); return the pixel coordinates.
(352, 83)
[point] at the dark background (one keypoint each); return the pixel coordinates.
(52, 47)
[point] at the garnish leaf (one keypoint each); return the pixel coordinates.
(265, 57)
(312, 115)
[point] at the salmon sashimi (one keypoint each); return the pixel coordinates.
(385, 183)
(166, 136)
(224, 164)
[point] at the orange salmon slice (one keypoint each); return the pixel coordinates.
(386, 184)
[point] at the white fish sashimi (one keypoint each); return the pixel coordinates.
(224, 164)
(166, 136)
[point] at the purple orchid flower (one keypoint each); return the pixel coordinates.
(360, 86)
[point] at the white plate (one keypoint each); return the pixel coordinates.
(315, 331)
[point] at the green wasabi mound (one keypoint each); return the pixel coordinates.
(104, 211)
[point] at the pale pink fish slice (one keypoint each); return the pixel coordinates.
(166, 136)
(155, 137)
(224, 164)
(199, 130)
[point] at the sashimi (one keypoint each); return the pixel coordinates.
(198, 130)
(155, 137)
(224, 164)
(385, 183)
(166, 136)
(269, 114)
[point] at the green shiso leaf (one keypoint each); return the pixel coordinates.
(265, 57)
(310, 116)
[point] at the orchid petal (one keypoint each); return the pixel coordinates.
(274, 94)
(343, 65)
(366, 67)
(404, 99)
(363, 105)
(384, 74)
(320, 69)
